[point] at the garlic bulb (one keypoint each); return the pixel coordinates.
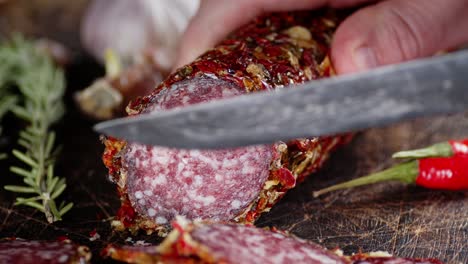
(133, 27)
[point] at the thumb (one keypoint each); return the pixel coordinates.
(398, 30)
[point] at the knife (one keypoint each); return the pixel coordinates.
(347, 103)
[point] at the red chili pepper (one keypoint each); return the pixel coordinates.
(443, 173)
(448, 172)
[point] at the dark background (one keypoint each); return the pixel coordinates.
(403, 220)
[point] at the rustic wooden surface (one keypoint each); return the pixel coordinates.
(403, 220)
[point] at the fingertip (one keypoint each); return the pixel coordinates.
(351, 51)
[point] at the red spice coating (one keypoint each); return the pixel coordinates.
(270, 53)
(444, 173)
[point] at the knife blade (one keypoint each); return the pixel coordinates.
(437, 85)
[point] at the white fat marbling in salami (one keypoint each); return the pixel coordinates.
(197, 184)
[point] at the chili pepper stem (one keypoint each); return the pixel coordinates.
(406, 172)
(443, 149)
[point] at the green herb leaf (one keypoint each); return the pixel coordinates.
(66, 208)
(20, 189)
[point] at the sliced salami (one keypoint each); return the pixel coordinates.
(237, 185)
(226, 243)
(233, 243)
(38, 252)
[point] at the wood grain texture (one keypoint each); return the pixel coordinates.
(404, 220)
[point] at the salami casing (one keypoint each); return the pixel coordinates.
(237, 185)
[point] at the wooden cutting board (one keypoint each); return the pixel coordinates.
(403, 220)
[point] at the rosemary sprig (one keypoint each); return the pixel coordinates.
(41, 86)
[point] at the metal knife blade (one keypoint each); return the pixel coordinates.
(437, 85)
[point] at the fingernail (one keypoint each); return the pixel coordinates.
(365, 58)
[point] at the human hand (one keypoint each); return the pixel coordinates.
(383, 32)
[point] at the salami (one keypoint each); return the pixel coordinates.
(237, 185)
(38, 252)
(233, 243)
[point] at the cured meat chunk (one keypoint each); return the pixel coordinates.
(236, 185)
(233, 243)
(38, 252)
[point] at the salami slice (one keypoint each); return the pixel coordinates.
(226, 243)
(233, 243)
(38, 252)
(237, 185)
